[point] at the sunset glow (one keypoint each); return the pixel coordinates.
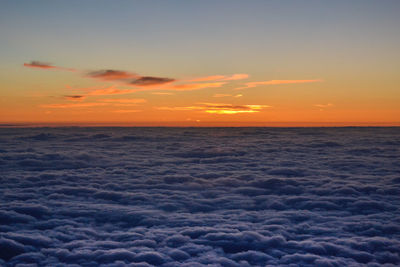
(264, 68)
(175, 133)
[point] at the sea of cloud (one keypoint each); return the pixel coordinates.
(199, 196)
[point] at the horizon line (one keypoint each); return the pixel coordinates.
(198, 124)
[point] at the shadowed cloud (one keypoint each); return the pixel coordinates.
(45, 66)
(75, 97)
(129, 78)
(110, 75)
(39, 65)
(149, 81)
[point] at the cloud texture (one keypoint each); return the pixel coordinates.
(220, 108)
(199, 197)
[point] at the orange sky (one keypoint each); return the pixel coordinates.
(257, 65)
(116, 97)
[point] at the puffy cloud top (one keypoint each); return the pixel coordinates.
(199, 197)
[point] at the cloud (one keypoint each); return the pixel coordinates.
(112, 90)
(102, 102)
(150, 81)
(235, 77)
(39, 65)
(324, 105)
(193, 86)
(98, 196)
(232, 109)
(75, 97)
(226, 95)
(276, 82)
(129, 78)
(221, 78)
(111, 75)
(208, 78)
(220, 108)
(44, 66)
(143, 83)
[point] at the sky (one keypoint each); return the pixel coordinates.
(200, 63)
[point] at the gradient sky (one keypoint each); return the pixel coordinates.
(200, 62)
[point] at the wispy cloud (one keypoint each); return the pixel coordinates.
(129, 78)
(276, 82)
(193, 86)
(233, 77)
(232, 109)
(227, 95)
(101, 102)
(111, 75)
(324, 105)
(112, 90)
(45, 66)
(150, 81)
(80, 94)
(155, 84)
(219, 108)
(75, 97)
(39, 65)
(142, 83)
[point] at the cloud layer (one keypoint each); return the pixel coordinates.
(200, 197)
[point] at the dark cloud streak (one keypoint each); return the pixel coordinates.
(129, 78)
(40, 65)
(75, 97)
(110, 75)
(149, 81)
